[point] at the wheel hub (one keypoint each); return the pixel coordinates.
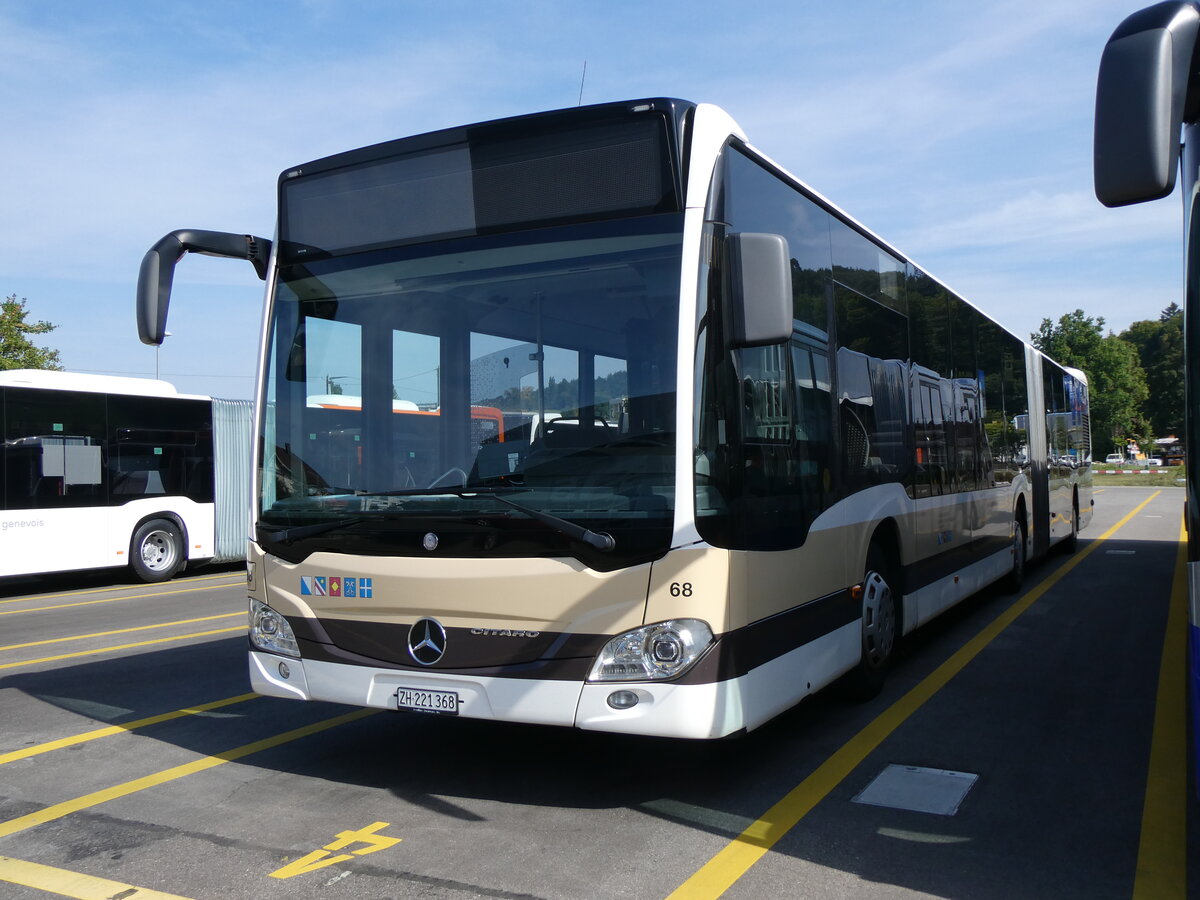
(879, 620)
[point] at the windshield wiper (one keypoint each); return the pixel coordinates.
(299, 532)
(601, 540)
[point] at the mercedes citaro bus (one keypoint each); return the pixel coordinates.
(746, 444)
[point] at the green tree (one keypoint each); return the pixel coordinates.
(1117, 384)
(1159, 345)
(17, 351)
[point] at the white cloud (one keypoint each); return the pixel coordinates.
(1054, 225)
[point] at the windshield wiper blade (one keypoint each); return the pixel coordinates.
(299, 532)
(601, 540)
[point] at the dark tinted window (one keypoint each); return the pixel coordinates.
(1068, 430)
(497, 177)
(929, 319)
(1005, 403)
(971, 458)
(757, 200)
(765, 438)
(159, 447)
(861, 264)
(53, 448)
(872, 364)
(75, 448)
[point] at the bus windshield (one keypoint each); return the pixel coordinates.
(538, 365)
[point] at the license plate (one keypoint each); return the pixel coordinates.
(421, 700)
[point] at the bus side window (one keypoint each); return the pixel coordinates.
(814, 424)
(55, 450)
(937, 458)
(767, 505)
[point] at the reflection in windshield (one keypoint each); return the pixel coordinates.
(542, 363)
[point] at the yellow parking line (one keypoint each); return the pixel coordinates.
(179, 637)
(122, 728)
(1162, 850)
(731, 863)
(17, 612)
(82, 637)
(60, 810)
(123, 587)
(72, 884)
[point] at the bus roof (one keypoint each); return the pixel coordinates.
(48, 379)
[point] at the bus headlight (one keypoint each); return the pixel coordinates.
(653, 652)
(270, 631)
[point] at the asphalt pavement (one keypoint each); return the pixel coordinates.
(1023, 747)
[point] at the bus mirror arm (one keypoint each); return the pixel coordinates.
(158, 271)
(761, 279)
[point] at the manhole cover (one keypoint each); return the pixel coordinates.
(919, 789)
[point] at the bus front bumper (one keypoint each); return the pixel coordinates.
(666, 710)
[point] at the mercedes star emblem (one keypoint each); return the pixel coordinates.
(427, 641)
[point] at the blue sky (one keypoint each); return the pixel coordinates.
(960, 132)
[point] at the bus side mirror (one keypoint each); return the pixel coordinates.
(158, 271)
(1141, 103)
(761, 281)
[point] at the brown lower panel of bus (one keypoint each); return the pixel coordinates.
(563, 657)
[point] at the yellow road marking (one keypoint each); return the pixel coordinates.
(82, 637)
(1162, 850)
(104, 590)
(60, 810)
(17, 612)
(122, 728)
(167, 640)
(320, 859)
(72, 884)
(731, 863)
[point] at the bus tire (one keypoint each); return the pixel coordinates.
(1015, 579)
(880, 627)
(156, 551)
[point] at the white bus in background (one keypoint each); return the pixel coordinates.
(780, 444)
(102, 471)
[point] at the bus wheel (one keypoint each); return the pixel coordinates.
(156, 552)
(1015, 579)
(879, 629)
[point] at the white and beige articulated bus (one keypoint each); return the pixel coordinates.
(102, 471)
(645, 435)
